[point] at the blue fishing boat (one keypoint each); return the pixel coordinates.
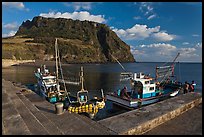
(147, 90)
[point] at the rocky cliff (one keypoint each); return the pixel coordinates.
(79, 41)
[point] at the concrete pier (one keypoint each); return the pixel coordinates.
(34, 115)
(139, 121)
(27, 113)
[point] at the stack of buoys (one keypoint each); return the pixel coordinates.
(88, 108)
(95, 109)
(70, 109)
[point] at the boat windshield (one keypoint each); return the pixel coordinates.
(50, 81)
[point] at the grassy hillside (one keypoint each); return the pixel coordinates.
(18, 48)
(79, 42)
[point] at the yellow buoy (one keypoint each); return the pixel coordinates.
(90, 110)
(70, 108)
(73, 109)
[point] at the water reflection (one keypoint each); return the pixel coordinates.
(104, 76)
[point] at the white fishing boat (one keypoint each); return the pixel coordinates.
(45, 82)
(48, 84)
(147, 90)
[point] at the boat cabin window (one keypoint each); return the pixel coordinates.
(151, 88)
(147, 82)
(151, 82)
(138, 75)
(82, 96)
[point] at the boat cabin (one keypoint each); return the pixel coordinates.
(143, 85)
(82, 96)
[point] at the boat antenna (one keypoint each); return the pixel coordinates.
(118, 62)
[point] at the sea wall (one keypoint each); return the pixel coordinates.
(140, 121)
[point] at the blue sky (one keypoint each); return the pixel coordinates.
(155, 31)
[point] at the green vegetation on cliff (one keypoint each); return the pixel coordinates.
(79, 41)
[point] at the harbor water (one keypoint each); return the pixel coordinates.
(103, 76)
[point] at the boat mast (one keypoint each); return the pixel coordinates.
(56, 61)
(168, 68)
(82, 79)
(174, 63)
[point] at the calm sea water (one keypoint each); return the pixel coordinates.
(105, 76)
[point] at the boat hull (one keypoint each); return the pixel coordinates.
(121, 101)
(135, 103)
(131, 103)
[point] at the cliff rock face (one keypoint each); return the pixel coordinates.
(79, 41)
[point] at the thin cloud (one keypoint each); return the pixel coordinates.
(82, 15)
(159, 46)
(191, 53)
(152, 16)
(16, 5)
(188, 52)
(10, 26)
(163, 36)
(185, 43)
(79, 5)
(11, 33)
(154, 52)
(146, 7)
(195, 35)
(166, 52)
(137, 17)
(148, 10)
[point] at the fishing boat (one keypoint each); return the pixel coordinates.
(147, 90)
(49, 87)
(46, 83)
(84, 103)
